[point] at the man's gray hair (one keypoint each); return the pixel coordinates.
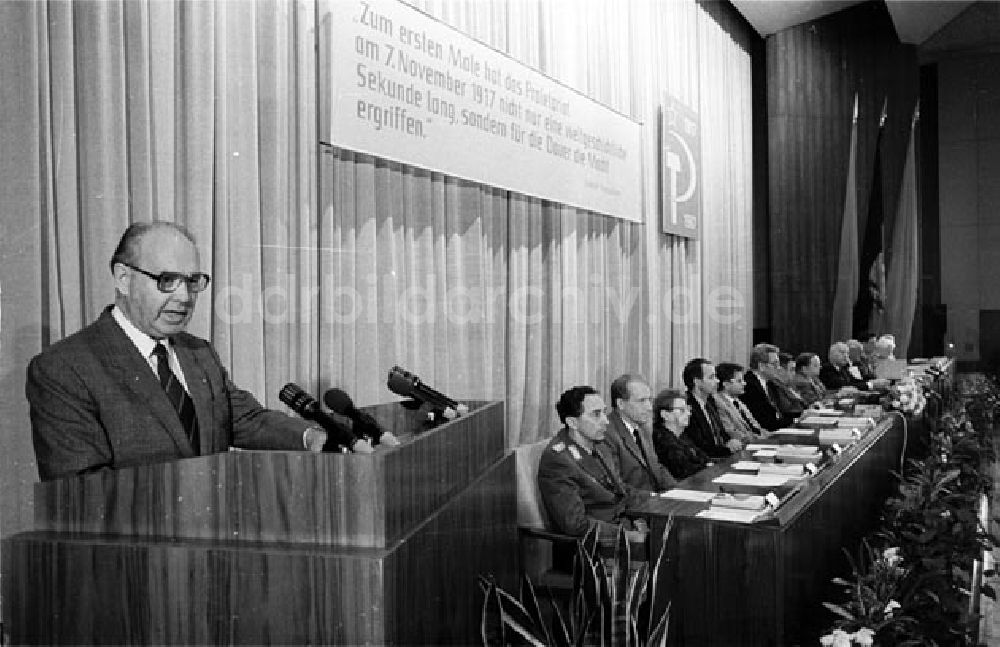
(759, 354)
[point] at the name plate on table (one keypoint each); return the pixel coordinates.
(794, 431)
(874, 411)
(791, 470)
(765, 455)
(834, 413)
(801, 455)
(756, 447)
(678, 494)
(736, 515)
(742, 501)
(759, 480)
(859, 423)
(838, 436)
(818, 422)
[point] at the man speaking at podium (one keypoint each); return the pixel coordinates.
(133, 388)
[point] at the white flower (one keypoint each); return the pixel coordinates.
(892, 606)
(864, 636)
(839, 638)
(892, 556)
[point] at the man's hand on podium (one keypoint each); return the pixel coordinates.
(362, 446)
(313, 439)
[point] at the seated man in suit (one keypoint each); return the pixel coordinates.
(763, 360)
(789, 402)
(885, 347)
(671, 415)
(133, 388)
(577, 477)
(856, 351)
(806, 379)
(840, 373)
(705, 428)
(628, 435)
(737, 420)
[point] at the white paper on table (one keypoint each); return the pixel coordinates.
(783, 469)
(688, 495)
(756, 447)
(730, 514)
(790, 431)
(856, 422)
(741, 501)
(827, 412)
(798, 449)
(757, 480)
(746, 465)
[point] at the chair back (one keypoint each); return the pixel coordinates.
(530, 509)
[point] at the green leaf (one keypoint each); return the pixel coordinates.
(840, 611)
(530, 601)
(491, 621)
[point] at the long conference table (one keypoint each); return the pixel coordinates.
(763, 583)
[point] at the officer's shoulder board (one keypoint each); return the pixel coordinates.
(558, 447)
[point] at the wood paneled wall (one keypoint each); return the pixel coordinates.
(813, 73)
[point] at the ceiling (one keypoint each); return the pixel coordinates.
(916, 20)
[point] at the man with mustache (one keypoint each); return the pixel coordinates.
(133, 387)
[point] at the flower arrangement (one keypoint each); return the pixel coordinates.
(917, 589)
(872, 608)
(840, 638)
(906, 396)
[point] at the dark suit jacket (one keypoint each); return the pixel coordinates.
(699, 431)
(790, 402)
(756, 399)
(638, 466)
(834, 378)
(579, 493)
(95, 403)
(867, 368)
(810, 388)
(681, 457)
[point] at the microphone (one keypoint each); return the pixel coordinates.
(408, 385)
(306, 406)
(364, 425)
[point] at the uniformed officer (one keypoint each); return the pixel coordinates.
(578, 480)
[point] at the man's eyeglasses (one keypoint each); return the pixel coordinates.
(169, 281)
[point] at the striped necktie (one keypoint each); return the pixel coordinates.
(638, 443)
(746, 415)
(178, 397)
(715, 422)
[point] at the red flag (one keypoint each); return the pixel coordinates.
(847, 269)
(901, 289)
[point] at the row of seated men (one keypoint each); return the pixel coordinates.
(600, 462)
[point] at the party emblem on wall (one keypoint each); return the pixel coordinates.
(680, 169)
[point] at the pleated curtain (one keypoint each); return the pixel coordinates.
(330, 266)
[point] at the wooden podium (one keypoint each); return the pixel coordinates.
(275, 547)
